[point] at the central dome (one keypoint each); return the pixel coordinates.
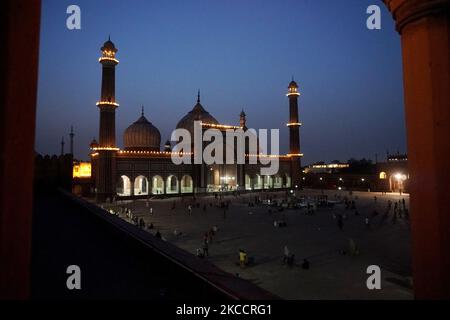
(142, 135)
(198, 113)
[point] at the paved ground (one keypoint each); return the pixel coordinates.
(332, 275)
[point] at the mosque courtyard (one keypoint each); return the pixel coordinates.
(334, 273)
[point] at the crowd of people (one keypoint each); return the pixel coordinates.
(194, 206)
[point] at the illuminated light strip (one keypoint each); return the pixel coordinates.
(108, 59)
(154, 152)
(105, 148)
(267, 155)
(295, 154)
(94, 154)
(107, 103)
(222, 126)
(293, 94)
(293, 124)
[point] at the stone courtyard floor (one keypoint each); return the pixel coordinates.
(332, 274)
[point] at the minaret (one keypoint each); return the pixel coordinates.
(240, 168)
(294, 133)
(242, 119)
(107, 103)
(105, 176)
(62, 145)
(71, 140)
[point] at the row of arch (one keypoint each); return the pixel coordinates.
(267, 182)
(172, 185)
(157, 185)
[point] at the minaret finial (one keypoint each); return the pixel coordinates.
(198, 96)
(292, 77)
(62, 145)
(142, 110)
(242, 119)
(109, 37)
(71, 139)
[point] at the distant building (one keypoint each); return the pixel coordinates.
(389, 176)
(393, 175)
(322, 167)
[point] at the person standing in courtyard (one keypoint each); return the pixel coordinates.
(205, 249)
(286, 254)
(340, 223)
(242, 258)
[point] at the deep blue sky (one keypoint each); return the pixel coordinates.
(241, 54)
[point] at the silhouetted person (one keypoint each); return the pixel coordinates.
(305, 264)
(340, 224)
(158, 234)
(205, 249)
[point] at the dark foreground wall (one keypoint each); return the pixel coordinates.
(118, 260)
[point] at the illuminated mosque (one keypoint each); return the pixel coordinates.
(142, 169)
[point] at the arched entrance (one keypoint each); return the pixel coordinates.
(140, 185)
(123, 186)
(257, 182)
(172, 184)
(287, 181)
(397, 182)
(268, 182)
(187, 185)
(277, 182)
(157, 185)
(248, 182)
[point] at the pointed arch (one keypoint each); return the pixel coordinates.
(248, 182)
(123, 187)
(257, 182)
(140, 185)
(172, 184)
(157, 185)
(187, 184)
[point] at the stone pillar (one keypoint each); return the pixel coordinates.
(19, 35)
(424, 26)
(132, 180)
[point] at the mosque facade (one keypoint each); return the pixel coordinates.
(142, 168)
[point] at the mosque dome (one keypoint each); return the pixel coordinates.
(198, 113)
(142, 135)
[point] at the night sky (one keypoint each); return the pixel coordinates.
(241, 54)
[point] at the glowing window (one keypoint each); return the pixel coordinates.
(382, 175)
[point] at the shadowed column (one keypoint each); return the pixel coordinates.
(424, 28)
